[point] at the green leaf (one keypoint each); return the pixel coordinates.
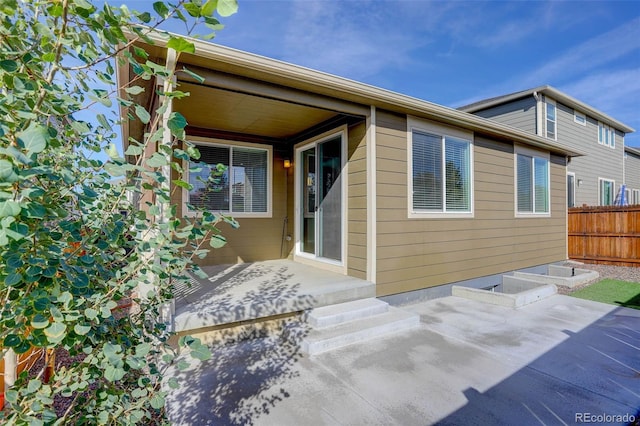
(176, 124)
(12, 279)
(113, 374)
(81, 329)
(34, 385)
(209, 7)
(142, 114)
(198, 78)
(192, 9)
(8, 65)
(157, 401)
(112, 151)
(157, 160)
(6, 171)
(227, 7)
(103, 121)
(173, 383)
(56, 332)
(12, 341)
(161, 9)
(39, 321)
(134, 90)
(199, 351)
(133, 150)
(34, 139)
(183, 184)
(217, 241)
(91, 313)
(180, 45)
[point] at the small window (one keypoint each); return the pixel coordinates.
(571, 190)
(635, 197)
(579, 118)
(606, 191)
(240, 187)
(532, 187)
(551, 120)
(627, 196)
(441, 175)
(606, 135)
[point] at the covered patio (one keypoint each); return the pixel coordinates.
(248, 291)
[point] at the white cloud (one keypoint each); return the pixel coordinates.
(345, 38)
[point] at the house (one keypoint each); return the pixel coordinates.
(359, 180)
(593, 179)
(632, 174)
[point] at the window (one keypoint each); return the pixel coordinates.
(551, 119)
(440, 180)
(606, 135)
(627, 196)
(605, 190)
(635, 197)
(571, 190)
(579, 118)
(532, 186)
(242, 188)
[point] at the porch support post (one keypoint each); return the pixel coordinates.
(371, 196)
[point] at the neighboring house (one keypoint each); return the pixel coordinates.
(402, 192)
(593, 179)
(632, 174)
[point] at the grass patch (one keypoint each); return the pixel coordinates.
(613, 292)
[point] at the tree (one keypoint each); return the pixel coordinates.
(72, 243)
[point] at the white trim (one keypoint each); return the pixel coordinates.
(548, 102)
(574, 187)
(635, 196)
(414, 123)
(579, 118)
(299, 255)
(530, 152)
(372, 229)
(196, 140)
(613, 191)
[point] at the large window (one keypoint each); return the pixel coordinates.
(229, 178)
(606, 135)
(441, 173)
(532, 187)
(551, 119)
(606, 191)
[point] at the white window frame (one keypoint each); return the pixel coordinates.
(635, 195)
(529, 152)
(627, 196)
(606, 135)
(230, 144)
(574, 189)
(548, 102)
(425, 126)
(579, 118)
(613, 191)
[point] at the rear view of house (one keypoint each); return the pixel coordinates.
(594, 179)
(364, 182)
(632, 174)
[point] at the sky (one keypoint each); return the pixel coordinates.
(456, 52)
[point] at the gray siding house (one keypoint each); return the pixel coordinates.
(632, 174)
(594, 179)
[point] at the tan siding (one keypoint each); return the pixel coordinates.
(357, 202)
(258, 238)
(420, 253)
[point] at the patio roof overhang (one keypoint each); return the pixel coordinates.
(272, 99)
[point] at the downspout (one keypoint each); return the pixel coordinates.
(371, 197)
(538, 99)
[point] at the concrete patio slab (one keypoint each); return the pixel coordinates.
(467, 363)
(246, 291)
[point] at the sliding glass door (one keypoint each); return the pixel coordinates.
(320, 186)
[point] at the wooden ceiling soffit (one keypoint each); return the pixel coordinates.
(271, 91)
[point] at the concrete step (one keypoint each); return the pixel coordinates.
(331, 315)
(359, 330)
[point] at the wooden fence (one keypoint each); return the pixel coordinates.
(608, 235)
